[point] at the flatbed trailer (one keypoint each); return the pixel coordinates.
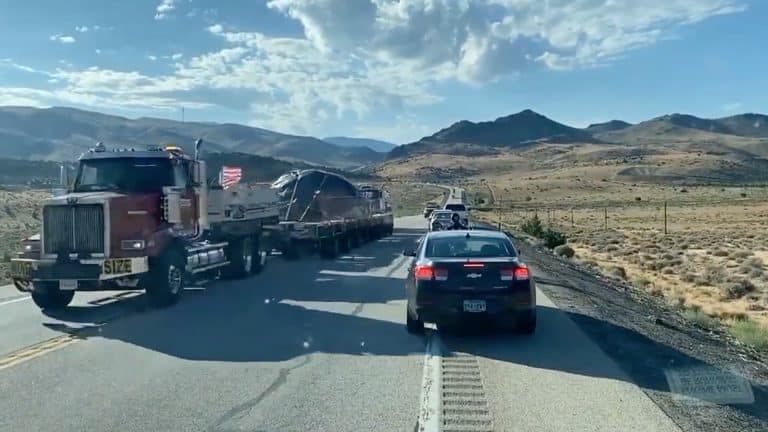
(329, 238)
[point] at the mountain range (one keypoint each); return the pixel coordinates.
(63, 133)
(373, 144)
(745, 132)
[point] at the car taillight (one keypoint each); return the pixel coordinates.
(517, 273)
(427, 272)
(522, 273)
(474, 265)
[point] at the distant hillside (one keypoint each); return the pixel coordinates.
(63, 133)
(609, 126)
(685, 128)
(375, 145)
(516, 130)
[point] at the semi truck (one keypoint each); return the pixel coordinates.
(326, 213)
(143, 219)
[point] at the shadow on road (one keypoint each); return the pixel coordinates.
(638, 359)
(291, 309)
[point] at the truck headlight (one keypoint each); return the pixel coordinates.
(132, 245)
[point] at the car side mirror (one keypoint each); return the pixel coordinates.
(409, 252)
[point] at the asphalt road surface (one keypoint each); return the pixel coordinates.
(306, 345)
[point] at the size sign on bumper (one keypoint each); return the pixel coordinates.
(474, 305)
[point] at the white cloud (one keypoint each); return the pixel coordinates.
(483, 40)
(82, 29)
(97, 51)
(216, 29)
(732, 107)
(164, 8)
(177, 56)
(62, 39)
(151, 57)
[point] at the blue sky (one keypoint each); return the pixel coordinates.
(394, 70)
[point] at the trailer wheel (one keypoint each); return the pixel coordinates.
(329, 248)
(47, 295)
(259, 259)
(240, 253)
(290, 251)
(345, 243)
(166, 278)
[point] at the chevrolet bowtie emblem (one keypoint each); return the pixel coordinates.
(474, 275)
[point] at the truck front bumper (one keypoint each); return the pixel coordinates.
(25, 269)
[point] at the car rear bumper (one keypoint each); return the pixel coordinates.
(501, 309)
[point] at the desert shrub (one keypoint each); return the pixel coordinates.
(618, 272)
(668, 271)
(751, 333)
(715, 275)
(754, 262)
(590, 263)
(736, 290)
(533, 226)
(684, 246)
(688, 277)
(528, 198)
(638, 199)
(740, 254)
(6, 257)
(668, 256)
(743, 194)
(564, 251)
(755, 273)
(553, 238)
(642, 282)
(683, 190)
(698, 318)
(719, 253)
(611, 248)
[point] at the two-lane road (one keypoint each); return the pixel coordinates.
(307, 345)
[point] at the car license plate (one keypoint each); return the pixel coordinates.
(67, 284)
(117, 266)
(474, 305)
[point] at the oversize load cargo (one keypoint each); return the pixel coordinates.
(317, 195)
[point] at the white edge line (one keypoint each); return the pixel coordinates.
(430, 409)
(16, 300)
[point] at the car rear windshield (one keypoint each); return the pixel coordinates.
(443, 215)
(469, 247)
(455, 207)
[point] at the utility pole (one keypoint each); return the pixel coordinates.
(665, 218)
(605, 212)
(182, 114)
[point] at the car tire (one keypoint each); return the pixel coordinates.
(527, 324)
(47, 295)
(413, 325)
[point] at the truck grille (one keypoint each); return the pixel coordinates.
(73, 229)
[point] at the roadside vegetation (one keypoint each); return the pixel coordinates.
(19, 217)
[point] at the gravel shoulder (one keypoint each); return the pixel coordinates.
(654, 344)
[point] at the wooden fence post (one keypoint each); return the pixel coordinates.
(665, 218)
(605, 212)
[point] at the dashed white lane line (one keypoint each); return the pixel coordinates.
(16, 300)
(430, 409)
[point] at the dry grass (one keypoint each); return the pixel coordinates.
(19, 218)
(712, 260)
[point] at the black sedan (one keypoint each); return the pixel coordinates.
(462, 277)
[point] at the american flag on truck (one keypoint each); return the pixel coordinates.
(230, 176)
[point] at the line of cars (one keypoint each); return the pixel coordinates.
(467, 276)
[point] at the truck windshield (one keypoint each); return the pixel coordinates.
(456, 207)
(124, 174)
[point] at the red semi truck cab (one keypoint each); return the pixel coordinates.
(140, 219)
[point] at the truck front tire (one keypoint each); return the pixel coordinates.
(47, 295)
(166, 278)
